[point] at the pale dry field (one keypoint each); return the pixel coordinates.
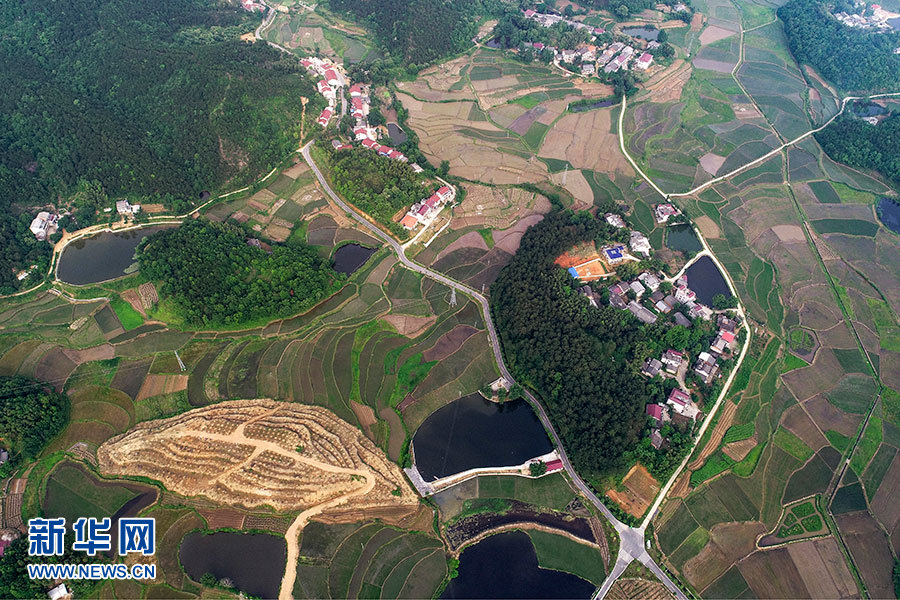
(496, 207)
(584, 139)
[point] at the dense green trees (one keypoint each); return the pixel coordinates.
(379, 186)
(853, 59)
(215, 277)
(854, 142)
(31, 415)
(514, 29)
(583, 361)
(156, 101)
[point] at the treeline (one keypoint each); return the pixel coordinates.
(854, 142)
(417, 32)
(215, 277)
(31, 414)
(583, 361)
(154, 101)
(514, 29)
(378, 186)
(853, 59)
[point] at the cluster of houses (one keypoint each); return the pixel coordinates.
(679, 406)
(251, 6)
(44, 225)
(874, 17)
(427, 208)
(643, 298)
(637, 241)
(609, 57)
(664, 212)
(329, 86)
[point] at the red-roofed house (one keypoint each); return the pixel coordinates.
(332, 78)
(681, 403)
(356, 90)
(679, 397)
(326, 90)
(324, 118)
(727, 336)
(644, 61)
(444, 192)
(395, 154)
(529, 13)
(408, 221)
(370, 144)
(384, 150)
(305, 62)
(538, 46)
(423, 210)
(554, 465)
(655, 411)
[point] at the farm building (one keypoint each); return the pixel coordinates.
(681, 403)
(651, 367)
(706, 367)
(664, 212)
(615, 220)
(643, 62)
(123, 207)
(408, 221)
(44, 225)
(641, 313)
(614, 254)
(672, 359)
(554, 465)
(650, 280)
(639, 243)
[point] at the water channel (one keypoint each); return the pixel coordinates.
(506, 566)
(472, 432)
(349, 257)
(100, 257)
(706, 280)
(253, 562)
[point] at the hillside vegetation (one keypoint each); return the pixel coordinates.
(214, 277)
(851, 58)
(156, 101)
(858, 144)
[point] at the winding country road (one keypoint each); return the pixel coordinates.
(631, 544)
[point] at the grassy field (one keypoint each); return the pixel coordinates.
(562, 554)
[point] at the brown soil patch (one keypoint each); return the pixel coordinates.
(665, 85)
(397, 434)
(726, 417)
(823, 374)
(365, 415)
(472, 239)
(101, 352)
(296, 171)
(153, 208)
(798, 422)
(577, 185)
(738, 451)
(728, 543)
(772, 574)
(714, 33)
(789, 233)
(827, 416)
(278, 233)
(708, 227)
(222, 518)
(577, 255)
(409, 325)
(134, 299)
(584, 139)
(157, 385)
(681, 487)
(823, 569)
(638, 589)
(449, 343)
(884, 504)
(54, 368)
(508, 240)
(870, 550)
(711, 163)
(697, 21)
(12, 360)
(639, 490)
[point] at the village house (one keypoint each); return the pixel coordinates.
(681, 403)
(706, 367)
(699, 311)
(60, 592)
(416, 168)
(332, 77)
(651, 367)
(683, 293)
(568, 56)
(643, 315)
(588, 293)
(614, 255)
(338, 145)
(664, 212)
(587, 69)
(356, 90)
(662, 307)
(123, 207)
(656, 439)
(727, 324)
(650, 280)
(615, 220)
(44, 225)
(673, 360)
(324, 117)
(643, 63)
(682, 320)
(326, 90)
(637, 288)
(659, 413)
(724, 341)
(639, 243)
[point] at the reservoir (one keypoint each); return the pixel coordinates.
(472, 432)
(350, 257)
(254, 562)
(398, 136)
(505, 565)
(706, 280)
(683, 239)
(101, 257)
(642, 32)
(889, 214)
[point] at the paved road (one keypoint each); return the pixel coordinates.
(631, 545)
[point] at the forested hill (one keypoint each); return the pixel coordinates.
(853, 59)
(854, 142)
(580, 360)
(158, 99)
(418, 31)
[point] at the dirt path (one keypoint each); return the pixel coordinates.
(292, 536)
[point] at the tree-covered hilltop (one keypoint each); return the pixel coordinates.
(31, 414)
(854, 59)
(215, 277)
(854, 142)
(582, 361)
(156, 101)
(417, 32)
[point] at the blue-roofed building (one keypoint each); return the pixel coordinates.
(573, 272)
(614, 254)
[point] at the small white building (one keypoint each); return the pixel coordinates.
(60, 592)
(615, 220)
(123, 207)
(639, 243)
(44, 225)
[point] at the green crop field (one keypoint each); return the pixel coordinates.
(824, 192)
(868, 445)
(791, 444)
(846, 226)
(563, 554)
(72, 493)
(736, 433)
(853, 393)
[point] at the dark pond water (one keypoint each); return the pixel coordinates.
(493, 44)
(642, 32)
(472, 432)
(895, 22)
(706, 280)
(598, 104)
(682, 238)
(505, 566)
(350, 257)
(869, 109)
(889, 214)
(101, 257)
(254, 562)
(398, 136)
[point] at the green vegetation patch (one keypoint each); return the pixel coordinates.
(838, 440)
(551, 491)
(411, 373)
(690, 547)
(674, 531)
(867, 446)
(846, 226)
(812, 523)
(801, 341)
(737, 433)
(717, 462)
(746, 467)
(853, 394)
(791, 444)
(824, 192)
(563, 554)
(791, 362)
(72, 493)
(849, 498)
(878, 466)
(890, 405)
(886, 324)
(851, 360)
